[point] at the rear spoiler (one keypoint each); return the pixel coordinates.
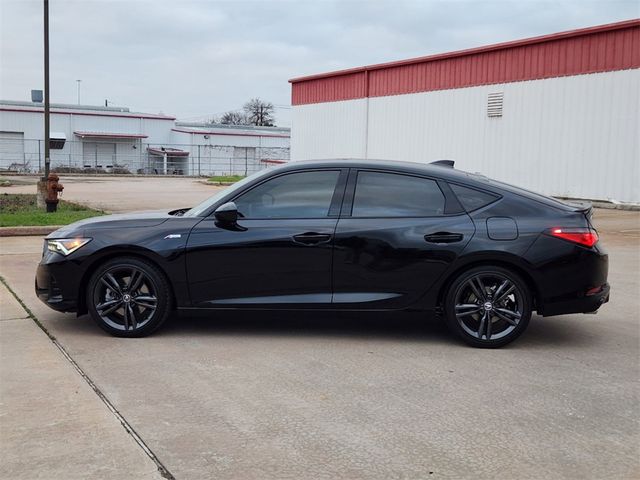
(443, 163)
(580, 206)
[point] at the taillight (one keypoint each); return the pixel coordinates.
(582, 236)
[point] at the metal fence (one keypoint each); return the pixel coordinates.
(137, 157)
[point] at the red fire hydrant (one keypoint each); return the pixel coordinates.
(53, 188)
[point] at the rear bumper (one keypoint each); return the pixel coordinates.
(581, 304)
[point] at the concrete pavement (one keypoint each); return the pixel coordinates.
(328, 396)
(52, 424)
(125, 194)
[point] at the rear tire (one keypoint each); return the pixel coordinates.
(128, 297)
(487, 306)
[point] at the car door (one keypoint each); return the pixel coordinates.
(395, 237)
(279, 253)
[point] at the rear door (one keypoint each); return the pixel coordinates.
(394, 239)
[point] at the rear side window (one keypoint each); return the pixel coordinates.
(472, 199)
(396, 195)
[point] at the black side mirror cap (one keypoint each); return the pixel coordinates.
(227, 213)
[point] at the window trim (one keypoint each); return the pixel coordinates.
(336, 197)
(347, 204)
(496, 196)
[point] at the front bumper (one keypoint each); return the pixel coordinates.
(56, 285)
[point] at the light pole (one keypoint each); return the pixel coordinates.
(42, 184)
(78, 81)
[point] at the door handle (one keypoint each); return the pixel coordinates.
(443, 237)
(312, 238)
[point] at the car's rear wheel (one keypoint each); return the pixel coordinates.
(488, 306)
(128, 297)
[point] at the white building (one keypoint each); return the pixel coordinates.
(110, 139)
(557, 114)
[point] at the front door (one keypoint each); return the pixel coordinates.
(279, 254)
(393, 240)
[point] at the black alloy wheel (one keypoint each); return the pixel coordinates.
(128, 297)
(488, 306)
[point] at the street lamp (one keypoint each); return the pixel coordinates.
(78, 81)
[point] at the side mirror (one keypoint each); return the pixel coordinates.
(227, 213)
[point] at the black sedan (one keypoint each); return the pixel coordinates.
(337, 235)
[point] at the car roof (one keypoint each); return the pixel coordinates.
(438, 171)
(410, 167)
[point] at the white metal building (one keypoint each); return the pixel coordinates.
(115, 140)
(559, 114)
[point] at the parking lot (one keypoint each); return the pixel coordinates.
(339, 396)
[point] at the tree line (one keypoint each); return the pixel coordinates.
(255, 112)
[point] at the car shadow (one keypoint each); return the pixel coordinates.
(542, 332)
(393, 326)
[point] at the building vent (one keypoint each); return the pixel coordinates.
(494, 104)
(36, 96)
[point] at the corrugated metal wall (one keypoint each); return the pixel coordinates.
(568, 136)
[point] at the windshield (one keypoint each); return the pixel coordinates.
(201, 208)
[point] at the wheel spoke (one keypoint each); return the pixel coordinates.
(135, 280)
(508, 315)
(132, 317)
(125, 317)
(109, 306)
(482, 324)
(488, 326)
(146, 301)
(500, 289)
(478, 289)
(111, 283)
(504, 294)
(467, 309)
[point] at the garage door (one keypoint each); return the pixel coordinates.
(99, 155)
(11, 150)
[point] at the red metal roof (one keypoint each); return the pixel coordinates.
(109, 135)
(603, 48)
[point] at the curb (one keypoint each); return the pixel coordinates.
(28, 231)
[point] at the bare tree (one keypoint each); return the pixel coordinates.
(259, 113)
(234, 118)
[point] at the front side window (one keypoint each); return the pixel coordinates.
(294, 195)
(396, 195)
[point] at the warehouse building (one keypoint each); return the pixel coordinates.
(93, 139)
(558, 114)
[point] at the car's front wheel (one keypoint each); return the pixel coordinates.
(488, 306)
(128, 297)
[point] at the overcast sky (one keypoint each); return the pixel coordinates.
(194, 59)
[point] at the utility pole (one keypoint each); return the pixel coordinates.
(78, 81)
(42, 184)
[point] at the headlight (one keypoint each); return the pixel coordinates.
(66, 246)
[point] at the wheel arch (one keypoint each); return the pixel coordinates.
(110, 253)
(506, 261)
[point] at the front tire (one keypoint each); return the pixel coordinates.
(487, 306)
(128, 297)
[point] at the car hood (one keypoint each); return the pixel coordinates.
(124, 220)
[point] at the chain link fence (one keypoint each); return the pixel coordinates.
(137, 157)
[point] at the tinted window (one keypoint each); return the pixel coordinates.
(395, 195)
(295, 195)
(472, 199)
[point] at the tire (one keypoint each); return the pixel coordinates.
(491, 320)
(129, 297)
